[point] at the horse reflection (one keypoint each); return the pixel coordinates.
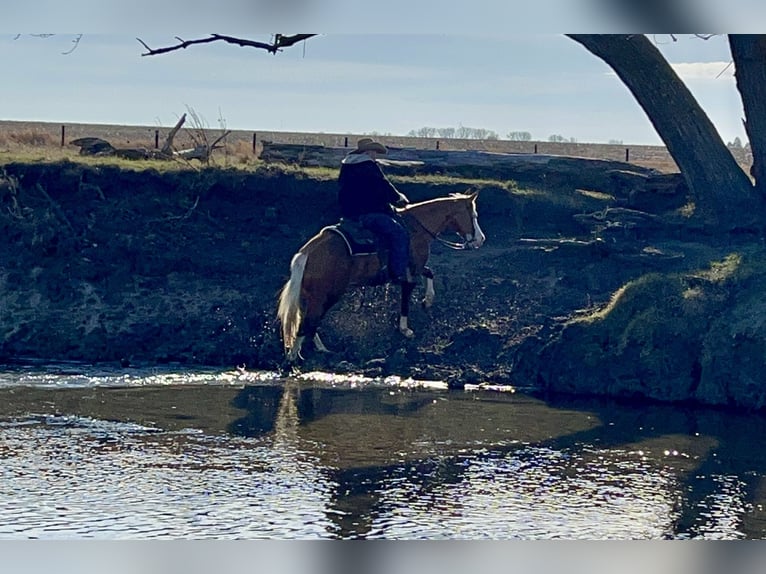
(323, 269)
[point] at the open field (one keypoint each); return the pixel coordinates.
(43, 140)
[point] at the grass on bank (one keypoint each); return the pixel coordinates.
(664, 291)
(31, 149)
(240, 161)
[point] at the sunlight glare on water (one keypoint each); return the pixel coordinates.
(536, 494)
(352, 380)
(70, 376)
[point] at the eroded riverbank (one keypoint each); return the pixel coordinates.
(132, 267)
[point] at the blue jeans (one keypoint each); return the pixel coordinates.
(395, 238)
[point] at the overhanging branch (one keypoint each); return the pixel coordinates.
(280, 41)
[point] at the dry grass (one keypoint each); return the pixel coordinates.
(27, 138)
(43, 141)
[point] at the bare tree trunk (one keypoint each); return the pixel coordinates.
(167, 148)
(749, 54)
(722, 191)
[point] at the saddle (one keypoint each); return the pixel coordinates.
(359, 241)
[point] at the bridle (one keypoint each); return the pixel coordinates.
(451, 244)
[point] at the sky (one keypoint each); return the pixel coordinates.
(365, 82)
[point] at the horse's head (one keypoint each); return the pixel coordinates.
(464, 220)
(456, 213)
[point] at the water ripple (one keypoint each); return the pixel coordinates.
(536, 493)
(60, 479)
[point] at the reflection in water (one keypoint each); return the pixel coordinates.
(235, 455)
(535, 493)
(721, 511)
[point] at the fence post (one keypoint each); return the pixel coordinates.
(437, 144)
(535, 148)
(63, 136)
(156, 139)
(627, 154)
(255, 141)
(345, 142)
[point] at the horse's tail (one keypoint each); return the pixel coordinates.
(289, 308)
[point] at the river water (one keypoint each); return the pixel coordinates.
(140, 454)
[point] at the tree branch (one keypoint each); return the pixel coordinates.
(75, 43)
(280, 41)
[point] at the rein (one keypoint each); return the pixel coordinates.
(451, 244)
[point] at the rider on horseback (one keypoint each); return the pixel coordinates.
(366, 195)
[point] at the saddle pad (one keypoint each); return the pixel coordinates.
(358, 240)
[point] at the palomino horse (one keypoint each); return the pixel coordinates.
(323, 268)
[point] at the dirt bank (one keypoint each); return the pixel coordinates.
(103, 264)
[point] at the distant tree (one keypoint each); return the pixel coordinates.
(468, 133)
(424, 132)
(463, 132)
(615, 142)
(556, 138)
(519, 136)
(736, 144)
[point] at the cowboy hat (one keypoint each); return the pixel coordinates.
(369, 144)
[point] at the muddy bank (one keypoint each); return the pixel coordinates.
(103, 264)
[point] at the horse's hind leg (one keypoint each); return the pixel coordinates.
(319, 345)
(315, 311)
(312, 315)
(294, 352)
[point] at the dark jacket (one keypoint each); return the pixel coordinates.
(363, 188)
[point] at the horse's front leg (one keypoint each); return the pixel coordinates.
(428, 299)
(404, 328)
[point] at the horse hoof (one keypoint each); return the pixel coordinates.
(293, 357)
(427, 303)
(409, 333)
